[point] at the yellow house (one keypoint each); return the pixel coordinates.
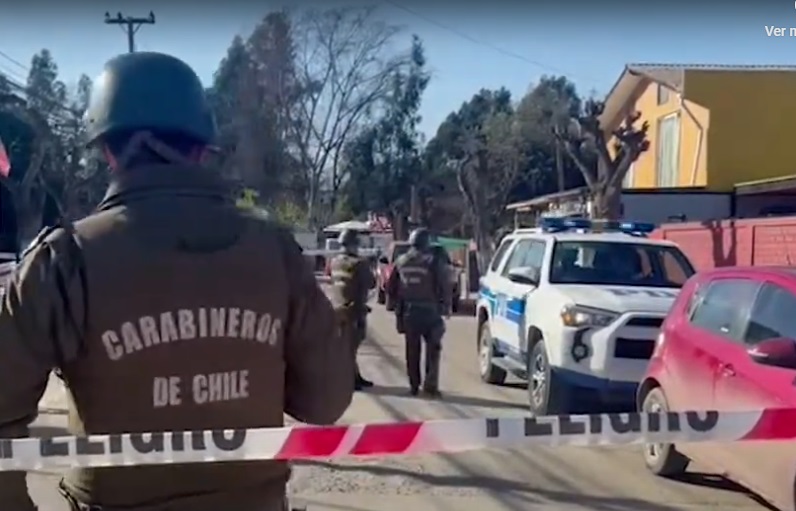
(715, 128)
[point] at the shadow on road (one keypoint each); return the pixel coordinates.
(717, 482)
(386, 390)
(510, 490)
(519, 491)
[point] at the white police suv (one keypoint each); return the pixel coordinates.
(574, 307)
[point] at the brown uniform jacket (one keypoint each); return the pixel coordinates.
(185, 313)
(352, 280)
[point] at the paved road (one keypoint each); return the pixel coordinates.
(542, 479)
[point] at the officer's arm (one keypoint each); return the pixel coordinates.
(394, 283)
(366, 275)
(442, 284)
(371, 278)
(32, 317)
(318, 363)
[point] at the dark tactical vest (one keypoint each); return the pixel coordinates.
(416, 270)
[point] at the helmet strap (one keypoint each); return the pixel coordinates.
(145, 139)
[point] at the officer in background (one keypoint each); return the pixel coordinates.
(352, 280)
(168, 308)
(419, 286)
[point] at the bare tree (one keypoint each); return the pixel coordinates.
(586, 138)
(345, 64)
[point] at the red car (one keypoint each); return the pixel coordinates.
(729, 343)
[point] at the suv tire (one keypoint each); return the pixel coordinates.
(547, 393)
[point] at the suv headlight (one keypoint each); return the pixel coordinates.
(578, 316)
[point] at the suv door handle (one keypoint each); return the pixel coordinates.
(727, 370)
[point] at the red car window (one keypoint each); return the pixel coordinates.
(772, 316)
(721, 310)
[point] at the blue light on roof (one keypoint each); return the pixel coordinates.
(552, 224)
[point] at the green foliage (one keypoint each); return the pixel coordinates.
(384, 161)
(290, 214)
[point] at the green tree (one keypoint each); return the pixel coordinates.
(384, 162)
(480, 145)
(548, 106)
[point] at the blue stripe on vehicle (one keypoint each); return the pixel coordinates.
(515, 307)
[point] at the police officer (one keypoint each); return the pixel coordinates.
(169, 308)
(352, 279)
(419, 285)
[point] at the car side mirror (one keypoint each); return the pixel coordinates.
(526, 275)
(383, 260)
(778, 352)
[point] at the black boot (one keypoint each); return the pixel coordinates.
(361, 383)
(432, 392)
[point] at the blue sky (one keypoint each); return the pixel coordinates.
(470, 45)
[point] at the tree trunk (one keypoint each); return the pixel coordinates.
(606, 203)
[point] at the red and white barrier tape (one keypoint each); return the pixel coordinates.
(393, 439)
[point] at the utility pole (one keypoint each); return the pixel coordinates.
(130, 25)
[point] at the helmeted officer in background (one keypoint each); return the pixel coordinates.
(352, 280)
(419, 285)
(168, 308)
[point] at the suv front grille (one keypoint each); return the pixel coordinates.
(645, 321)
(637, 349)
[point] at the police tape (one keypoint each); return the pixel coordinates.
(393, 439)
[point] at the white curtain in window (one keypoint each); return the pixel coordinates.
(668, 151)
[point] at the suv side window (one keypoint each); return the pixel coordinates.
(772, 315)
(499, 254)
(523, 254)
(722, 310)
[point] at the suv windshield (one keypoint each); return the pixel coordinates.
(619, 264)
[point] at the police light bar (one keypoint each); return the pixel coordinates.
(552, 224)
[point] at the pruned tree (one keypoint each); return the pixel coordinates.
(345, 65)
(585, 140)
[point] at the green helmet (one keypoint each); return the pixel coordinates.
(420, 238)
(149, 91)
(348, 238)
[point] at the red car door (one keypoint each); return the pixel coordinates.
(710, 334)
(743, 384)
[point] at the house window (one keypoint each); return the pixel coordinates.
(668, 161)
(663, 95)
(630, 177)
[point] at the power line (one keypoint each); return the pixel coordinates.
(480, 42)
(130, 25)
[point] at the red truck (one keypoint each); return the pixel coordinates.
(396, 250)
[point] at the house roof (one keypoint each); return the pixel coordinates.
(671, 75)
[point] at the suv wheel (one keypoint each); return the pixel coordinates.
(547, 393)
(488, 371)
(661, 459)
